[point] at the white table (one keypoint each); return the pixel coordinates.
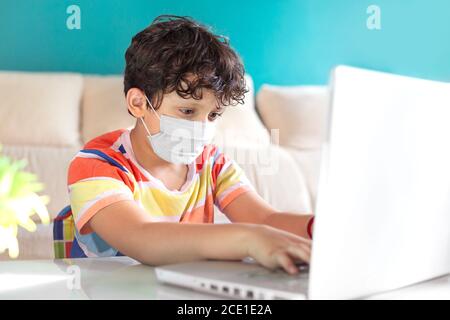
(125, 278)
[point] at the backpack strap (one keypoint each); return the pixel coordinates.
(63, 233)
(65, 243)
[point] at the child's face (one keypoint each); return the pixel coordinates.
(175, 106)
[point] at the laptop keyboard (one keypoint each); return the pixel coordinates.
(277, 279)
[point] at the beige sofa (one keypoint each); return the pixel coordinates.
(47, 117)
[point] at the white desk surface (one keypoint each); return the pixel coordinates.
(125, 278)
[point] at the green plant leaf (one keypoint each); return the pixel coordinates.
(18, 202)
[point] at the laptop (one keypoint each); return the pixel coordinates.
(383, 206)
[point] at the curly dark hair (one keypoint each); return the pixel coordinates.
(177, 53)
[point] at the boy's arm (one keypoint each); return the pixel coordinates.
(249, 207)
(128, 228)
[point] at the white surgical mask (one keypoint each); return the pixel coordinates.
(179, 140)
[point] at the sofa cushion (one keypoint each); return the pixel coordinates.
(308, 161)
(103, 106)
(240, 125)
(299, 112)
(275, 175)
(40, 108)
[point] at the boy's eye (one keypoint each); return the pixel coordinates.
(214, 115)
(186, 111)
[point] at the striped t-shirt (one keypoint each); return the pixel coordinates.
(106, 171)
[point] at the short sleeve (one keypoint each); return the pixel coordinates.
(94, 184)
(230, 181)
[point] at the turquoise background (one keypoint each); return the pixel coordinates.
(281, 42)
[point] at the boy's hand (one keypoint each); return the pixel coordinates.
(275, 248)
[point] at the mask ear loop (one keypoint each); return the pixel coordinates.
(142, 118)
(151, 106)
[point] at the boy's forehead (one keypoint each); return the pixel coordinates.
(208, 100)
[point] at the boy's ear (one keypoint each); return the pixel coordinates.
(136, 102)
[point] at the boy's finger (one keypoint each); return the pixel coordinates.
(299, 239)
(307, 248)
(299, 253)
(286, 262)
(305, 245)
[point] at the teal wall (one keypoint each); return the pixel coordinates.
(281, 42)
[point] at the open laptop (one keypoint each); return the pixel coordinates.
(383, 207)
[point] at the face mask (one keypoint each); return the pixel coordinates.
(179, 140)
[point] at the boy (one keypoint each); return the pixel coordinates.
(149, 192)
